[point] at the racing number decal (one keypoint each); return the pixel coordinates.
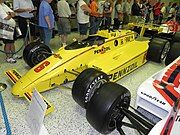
(42, 66)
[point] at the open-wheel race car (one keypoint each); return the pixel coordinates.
(114, 52)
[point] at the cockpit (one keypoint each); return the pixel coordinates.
(90, 41)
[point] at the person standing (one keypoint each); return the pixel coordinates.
(46, 21)
(6, 15)
(118, 17)
(136, 11)
(157, 12)
(168, 7)
(127, 11)
(147, 11)
(24, 10)
(172, 11)
(94, 17)
(83, 12)
(108, 8)
(64, 13)
(163, 11)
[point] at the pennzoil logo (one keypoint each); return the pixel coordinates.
(102, 50)
(123, 71)
(42, 66)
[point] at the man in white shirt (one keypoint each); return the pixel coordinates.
(7, 34)
(83, 12)
(24, 11)
(64, 13)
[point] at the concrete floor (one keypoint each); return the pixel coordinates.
(68, 117)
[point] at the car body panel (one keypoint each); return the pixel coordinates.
(168, 125)
(119, 54)
(156, 99)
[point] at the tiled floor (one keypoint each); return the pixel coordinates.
(68, 117)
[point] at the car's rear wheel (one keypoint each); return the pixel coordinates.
(158, 49)
(174, 52)
(86, 84)
(36, 52)
(176, 37)
(104, 109)
(167, 36)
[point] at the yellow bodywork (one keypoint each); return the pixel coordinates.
(144, 27)
(119, 55)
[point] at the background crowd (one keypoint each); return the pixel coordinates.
(91, 15)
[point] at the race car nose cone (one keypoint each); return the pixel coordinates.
(22, 86)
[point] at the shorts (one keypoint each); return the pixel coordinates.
(83, 28)
(64, 26)
(7, 41)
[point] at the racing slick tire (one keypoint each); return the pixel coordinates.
(176, 37)
(167, 36)
(158, 49)
(173, 53)
(36, 52)
(86, 84)
(104, 109)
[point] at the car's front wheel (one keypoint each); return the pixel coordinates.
(36, 52)
(86, 84)
(105, 107)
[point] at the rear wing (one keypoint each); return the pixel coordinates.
(14, 76)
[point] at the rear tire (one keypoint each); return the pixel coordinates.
(176, 37)
(86, 84)
(105, 107)
(158, 49)
(174, 52)
(36, 52)
(167, 36)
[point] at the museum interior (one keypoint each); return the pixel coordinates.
(89, 67)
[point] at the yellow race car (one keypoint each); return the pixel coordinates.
(114, 52)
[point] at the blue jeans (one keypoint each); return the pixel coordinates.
(94, 24)
(46, 35)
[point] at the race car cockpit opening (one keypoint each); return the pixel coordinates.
(90, 41)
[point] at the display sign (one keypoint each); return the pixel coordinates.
(36, 115)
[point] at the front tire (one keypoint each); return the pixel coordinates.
(105, 107)
(86, 84)
(36, 52)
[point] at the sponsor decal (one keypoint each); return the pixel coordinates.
(96, 67)
(153, 98)
(102, 50)
(167, 91)
(123, 71)
(178, 118)
(34, 49)
(16, 74)
(91, 89)
(42, 66)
